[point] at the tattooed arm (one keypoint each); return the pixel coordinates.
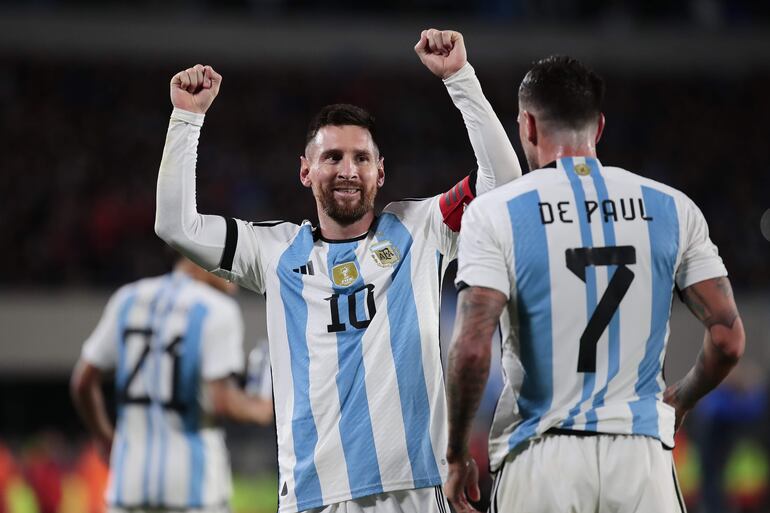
(713, 304)
(478, 313)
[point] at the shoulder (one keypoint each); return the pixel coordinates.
(218, 303)
(273, 233)
(678, 196)
(406, 206)
(511, 190)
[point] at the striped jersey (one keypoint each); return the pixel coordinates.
(588, 256)
(164, 337)
(353, 329)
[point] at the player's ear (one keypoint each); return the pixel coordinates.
(530, 127)
(304, 171)
(599, 128)
(381, 172)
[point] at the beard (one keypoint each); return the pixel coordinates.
(347, 211)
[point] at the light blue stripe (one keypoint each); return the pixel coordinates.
(533, 301)
(355, 426)
(179, 282)
(307, 487)
(613, 358)
(121, 375)
(586, 237)
(162, 289)
(189, 376)
(664, 247)
(405, 343)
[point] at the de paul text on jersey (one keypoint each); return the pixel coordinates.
(623, 209)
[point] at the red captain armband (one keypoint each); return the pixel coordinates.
(453, 201)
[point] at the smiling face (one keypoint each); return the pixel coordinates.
(344, 169)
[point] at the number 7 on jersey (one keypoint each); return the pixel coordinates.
(577, 261)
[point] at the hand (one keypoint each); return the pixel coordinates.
(462, 483)
(671, 398)
(194, 89)
(442, 51)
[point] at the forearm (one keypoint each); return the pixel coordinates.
(467, 377)
(89, 403)
(177, 221)
(496, 159)
(229, 401)
(722, 348)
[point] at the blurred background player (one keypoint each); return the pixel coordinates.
(353, 304)
(583, 259)
(175, 343)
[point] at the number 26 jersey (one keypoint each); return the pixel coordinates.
(354, 348)
(588, 257)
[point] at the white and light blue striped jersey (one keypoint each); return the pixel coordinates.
(588, 256)
(166, 336)
(353, 328)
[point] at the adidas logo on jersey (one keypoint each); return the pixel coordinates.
(305, 269)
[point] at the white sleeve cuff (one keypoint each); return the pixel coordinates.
(460, 75)
(192, 118)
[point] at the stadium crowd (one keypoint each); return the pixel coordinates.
(80, 156)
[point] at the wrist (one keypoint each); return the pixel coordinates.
(464, 72)
(193, 118)
(457, 455)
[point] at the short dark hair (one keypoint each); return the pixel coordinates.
(340, 114)
(563, 91)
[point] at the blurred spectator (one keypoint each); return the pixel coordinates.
(80, 160)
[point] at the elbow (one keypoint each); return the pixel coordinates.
(164, 230)
(84, 379)
(468, 354)
(729, 341)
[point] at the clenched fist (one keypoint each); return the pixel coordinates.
(442, 51)
(195, 88)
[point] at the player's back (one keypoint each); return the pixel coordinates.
(165, 451)
(592, 253)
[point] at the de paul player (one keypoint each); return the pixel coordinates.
(352, 303)
(174, 343)
(581, 258)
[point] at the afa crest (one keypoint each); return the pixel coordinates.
(385, 254)
(582, 169)
(345, 274)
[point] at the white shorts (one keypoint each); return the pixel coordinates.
(574, 474)
(421, 500)
(210, 509)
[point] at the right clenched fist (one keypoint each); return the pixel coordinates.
(195, 88)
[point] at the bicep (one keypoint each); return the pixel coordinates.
(712, 302)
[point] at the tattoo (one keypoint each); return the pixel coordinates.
(478, 314)
(712, 302)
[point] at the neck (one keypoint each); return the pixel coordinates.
(565, 147)
(331, 229)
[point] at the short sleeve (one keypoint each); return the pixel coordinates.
(248, 249)
(481, 259)
(700, 257)
(222, 353)
(101, 348)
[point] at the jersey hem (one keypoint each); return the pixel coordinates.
(365, 491)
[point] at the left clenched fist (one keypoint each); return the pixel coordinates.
(442, 51)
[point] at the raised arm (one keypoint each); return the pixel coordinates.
(713, 304)
(443, 53)
(177, 221)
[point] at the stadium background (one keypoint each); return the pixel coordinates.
(83, 112)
